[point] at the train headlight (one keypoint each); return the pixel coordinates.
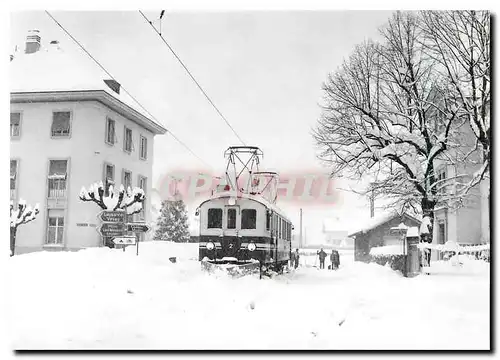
(251, 247)
(210, 245)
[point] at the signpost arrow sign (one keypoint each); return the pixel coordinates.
(112, 229)
(112, 216)
(138, 227)
(124, 240)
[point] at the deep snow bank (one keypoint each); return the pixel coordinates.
(109, 299)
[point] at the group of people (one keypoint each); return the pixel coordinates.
(334, 259)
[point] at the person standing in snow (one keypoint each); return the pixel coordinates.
(322, 257)
(296, 258)
(335, 259)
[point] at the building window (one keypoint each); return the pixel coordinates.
(110, 131)
(127, 179)
(440, 179)
(109, 178)
(57, 178)
(142, 184)
(144, 148)
(231, 218)
(214, 219)
(248, 218)
(15, 124)
(55, 227)
(127, 141)
(61, 124)
(13, 178)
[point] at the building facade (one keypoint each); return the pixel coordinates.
(71, 128)
(465, 222)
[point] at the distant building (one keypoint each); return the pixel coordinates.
(335, 236)
(378, 233)
(71, 126)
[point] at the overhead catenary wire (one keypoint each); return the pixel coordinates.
(192, 78)
(123, 88)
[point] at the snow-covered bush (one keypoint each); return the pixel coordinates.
(396, 262)
(22, 215)
(130, 200)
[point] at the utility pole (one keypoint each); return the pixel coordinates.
(372, 203)
(300, 230)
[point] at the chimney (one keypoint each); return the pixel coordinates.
(32, 41)
(113, 85)
(54, 45)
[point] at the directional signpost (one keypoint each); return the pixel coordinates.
(125, 240)
(112, 229)
(138, 228)
(114, 224)
(112, 216)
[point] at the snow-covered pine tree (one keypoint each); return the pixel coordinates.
(172, 224)
(24, 214)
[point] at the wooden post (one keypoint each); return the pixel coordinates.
(137, 245)
(126, 221)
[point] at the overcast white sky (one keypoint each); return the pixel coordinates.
(264, 70)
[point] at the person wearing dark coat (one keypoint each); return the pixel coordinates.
(296, 258)
(335, 259)
(322, 257)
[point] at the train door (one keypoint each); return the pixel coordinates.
(231, 226)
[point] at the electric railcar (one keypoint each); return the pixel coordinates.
(244, 230)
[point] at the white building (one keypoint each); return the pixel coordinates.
(71, 126)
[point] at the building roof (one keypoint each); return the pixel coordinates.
(380, 220)
(52, 74)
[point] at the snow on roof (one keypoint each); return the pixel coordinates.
(380, 220)
(53, 69)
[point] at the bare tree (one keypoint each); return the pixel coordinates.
(22, 215)
(460, 42)
(386, 115)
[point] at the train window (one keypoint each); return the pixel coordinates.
(231, 218)
(215, 218)
(280, 222)
(268, 220)
(248, 218)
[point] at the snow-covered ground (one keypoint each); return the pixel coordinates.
(109, 299)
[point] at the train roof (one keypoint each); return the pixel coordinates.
(257, 198)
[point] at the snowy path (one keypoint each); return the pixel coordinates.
(105, 299)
